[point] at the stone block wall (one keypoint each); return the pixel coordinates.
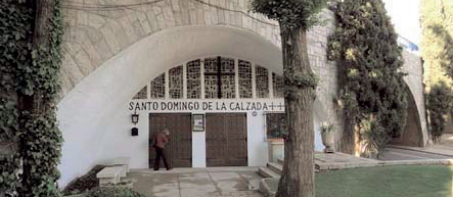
(97, 30)
(328, 86)
(414, 68)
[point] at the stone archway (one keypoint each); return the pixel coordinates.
(87, 112)
(412, 134)
(96, 31)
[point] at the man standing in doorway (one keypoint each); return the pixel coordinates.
(160, 141)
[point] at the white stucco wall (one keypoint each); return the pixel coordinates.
(256, 142)
(318, 144)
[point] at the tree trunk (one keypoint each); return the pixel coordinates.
(348, 138)
(42, 39)
(32, 105)
(298, 170)
(42, 25)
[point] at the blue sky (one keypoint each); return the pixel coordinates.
(405, 17)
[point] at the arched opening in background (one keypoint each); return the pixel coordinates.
(412, 134)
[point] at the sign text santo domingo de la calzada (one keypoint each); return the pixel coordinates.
(231, 106)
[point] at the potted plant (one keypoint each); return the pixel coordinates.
(327, 133)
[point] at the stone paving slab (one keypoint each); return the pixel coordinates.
(198, 180)
(238, 169)
(253, 179)
(195, 175)
(217, 182)
(219, 176)
(152, 186)
(197, 184)
(241, 194)
(172, 193)
(232, 186)
(200, 193)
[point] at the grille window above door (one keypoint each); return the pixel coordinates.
(278, 86)
(261, 79)
(214, 78)
(193, 75)
(176, 82)
(219, 77)
(245, 79)
(158, 87)
(142, 94)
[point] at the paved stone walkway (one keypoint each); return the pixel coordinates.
(208, 182)
(439, 150)
(411, 153)
(444, 146)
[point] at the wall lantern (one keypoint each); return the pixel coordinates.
(135, 118)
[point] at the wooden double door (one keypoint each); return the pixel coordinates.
(179, 149)
(226, 139)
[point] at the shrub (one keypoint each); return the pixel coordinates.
(370, 61)
(374, 138)
(112, 192)
(439, 105)
(85, 182)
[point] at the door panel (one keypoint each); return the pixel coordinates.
(179, 149)
(237, 142)
(215, 140)
(226, 139)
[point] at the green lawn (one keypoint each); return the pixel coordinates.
(388, 181)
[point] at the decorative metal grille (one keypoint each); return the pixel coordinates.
(228, 77)
(278, 86)
(158, 87)
(261, 81)
(193, 77)
(176, 82)
(211, 81)
(227, 65)
(275, 125)
(245, 79)
(219, 80)
(142, 94)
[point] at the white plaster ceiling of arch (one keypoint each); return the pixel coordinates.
(86, 110)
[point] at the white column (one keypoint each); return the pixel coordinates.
(185, 81)
(254, 94)
(237, 79)
(198, 150)
(202, 78)
(270, 83)
(199, 147)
